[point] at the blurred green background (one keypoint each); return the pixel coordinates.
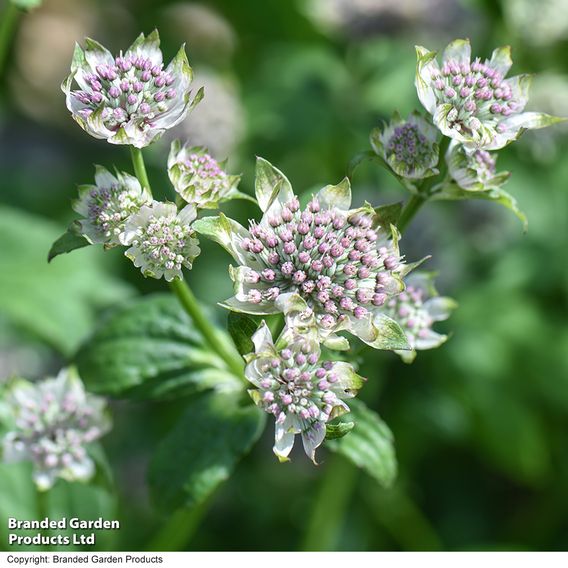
(480, 424)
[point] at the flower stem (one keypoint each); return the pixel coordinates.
(185, 295)
(139, 167)
(330, 503)
(42, 511)
(177, 532)
(208, 331)
(8, 22)
(410, 209)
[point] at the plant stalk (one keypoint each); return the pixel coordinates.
(184, 293)
(208, 331)
(330, 503)
(178, 531)
(139, 167)
(8, 22)
(410, 209)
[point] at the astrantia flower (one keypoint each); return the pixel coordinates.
(472, 101)
(107, 205)
(53, 422)
(337, 260)
(474, 170)
(161, 240)
(408, 146)
(300, 391)
(416, 310)
(199, 178)
(131, 99)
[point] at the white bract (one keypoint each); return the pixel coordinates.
(130, 99)
(472, 101)
(53, 422)
(408, 146)
(199, 178)
(474, 170)
(161, 240)
(107, 205)
(338, 261)
(416, 310)
(301, 392)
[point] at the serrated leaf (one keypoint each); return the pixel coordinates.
(335, 431)
(202, 449)
(67, 242)
(370, 445)
(241, 327)
(56, 302)
(149, 348)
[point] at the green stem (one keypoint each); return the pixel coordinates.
(8, 22)
(330, 503)
(184, 293)
(42, 511)
(208, 331)
(410, 209)
(177, 532)
(139, 167)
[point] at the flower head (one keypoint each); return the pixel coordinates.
(130, 99)
(416, 310)
(301, 392)
(161, 240)
(53, 422)
(472, 101)
(199, 178)
(408, 146)
(107, 205)
(336, 260)
(474, 170)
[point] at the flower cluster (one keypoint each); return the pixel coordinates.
(160, 240)
(130, 99)
(302, 392)
(199, 178)
(53, 423)
(472, 101)
(408, 146)
(107, 205)
(333, 271)
(338, 260)
(416, 310)
(474, 170)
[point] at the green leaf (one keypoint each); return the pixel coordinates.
(370, 445)
(58, 302)
(68, 241)
(241, 327)
(452, 191)
(358, 159)
(202, 449)
(149, 348)
(388, 215)
(390, 335)
(336, 195)
(19, 499)
(335, 431)
(269, 183)
(236, 194)
(27, 4)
